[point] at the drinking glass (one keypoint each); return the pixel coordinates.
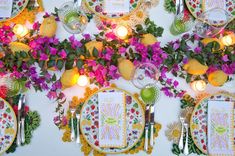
(73, 18)
(211, 22)
(183, 22)
(144, 75)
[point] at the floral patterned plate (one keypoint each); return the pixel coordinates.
(8, 125)
(196, 7)
(198, 123)
(90, 121)
(96, 6)
(17, 8)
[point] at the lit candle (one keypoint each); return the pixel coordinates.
(227, 40)
(121, 32)
(20, 30)
(198, 85)
(83, 80)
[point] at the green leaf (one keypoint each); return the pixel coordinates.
(69, 65)
(50, 63)
(60, 64)
(53, 77)
(188, 78)
(79, 63)
(19, 63)
(41, 64)
(23, 54)
(71, 57)
(95, 52)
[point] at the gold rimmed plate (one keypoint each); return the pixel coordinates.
(89, 122)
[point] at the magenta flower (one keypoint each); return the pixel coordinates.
(63, 54)
(36, 26)
(176, 45)
(87, 36)
(1, 64)
(175, 83)
(197, 50)
(122, 50)
(225, 58)
(74, 43)
(43, 57)
(51, 94)
(167, 91)
(227, 69)
(211, 69)
(110, 36)
(53, 51)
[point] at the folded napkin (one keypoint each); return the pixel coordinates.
(116, 6)
(112, 119)
(220, 128)
(5, 8)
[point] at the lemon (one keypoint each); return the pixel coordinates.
(148, 39)
(18, 46)
(69, 78)
(217, 78)
(48, 27)
(126, 68)
(94, 44)
(194, 67)
(205, 41)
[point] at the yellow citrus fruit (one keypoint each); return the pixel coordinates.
(148, 39)
(18, 46)
(205, 41)
(69, 78)
(217, 78)
(194, 67)
(94, 44)
(126, 68)
(48, 27)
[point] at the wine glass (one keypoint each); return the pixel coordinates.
(73, 18)
(144, 75)
(211, 22)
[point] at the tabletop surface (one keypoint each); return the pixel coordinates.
(46, 139)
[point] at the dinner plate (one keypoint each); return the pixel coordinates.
(90, 121)
(8, 126)
(196, 7)
(17, 7)
(96, 6)
(198, 122)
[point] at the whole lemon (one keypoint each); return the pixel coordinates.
(69, 78)
(94, 44)
(194, 67)
(18, 46)
(148, 39)
(48, 27)
(205, 41)
(217, 78)
(126, 68)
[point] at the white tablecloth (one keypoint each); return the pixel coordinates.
(46, 139)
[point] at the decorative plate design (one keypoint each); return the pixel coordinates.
(198, 122)
(90, 121)
(17, 8)
(196, 7)
(8, 125)
(96, 6)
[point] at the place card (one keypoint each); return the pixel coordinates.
(210, 4)
(5, 8)
(112, 119)
(116, 6)
(220, 128)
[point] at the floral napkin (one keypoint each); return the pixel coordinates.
(220, 128)
(112, 119)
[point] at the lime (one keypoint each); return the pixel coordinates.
(148, 94)
(70, 17)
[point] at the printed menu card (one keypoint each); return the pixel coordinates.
(112, 119)
(220, 128)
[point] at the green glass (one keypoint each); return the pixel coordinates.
(149, 94)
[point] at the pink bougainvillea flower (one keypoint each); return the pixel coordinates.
(74, 43)
(122, 50)
(63, 54)
(43, 57)
(52, 95)
(53, 51)
(225, 58)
